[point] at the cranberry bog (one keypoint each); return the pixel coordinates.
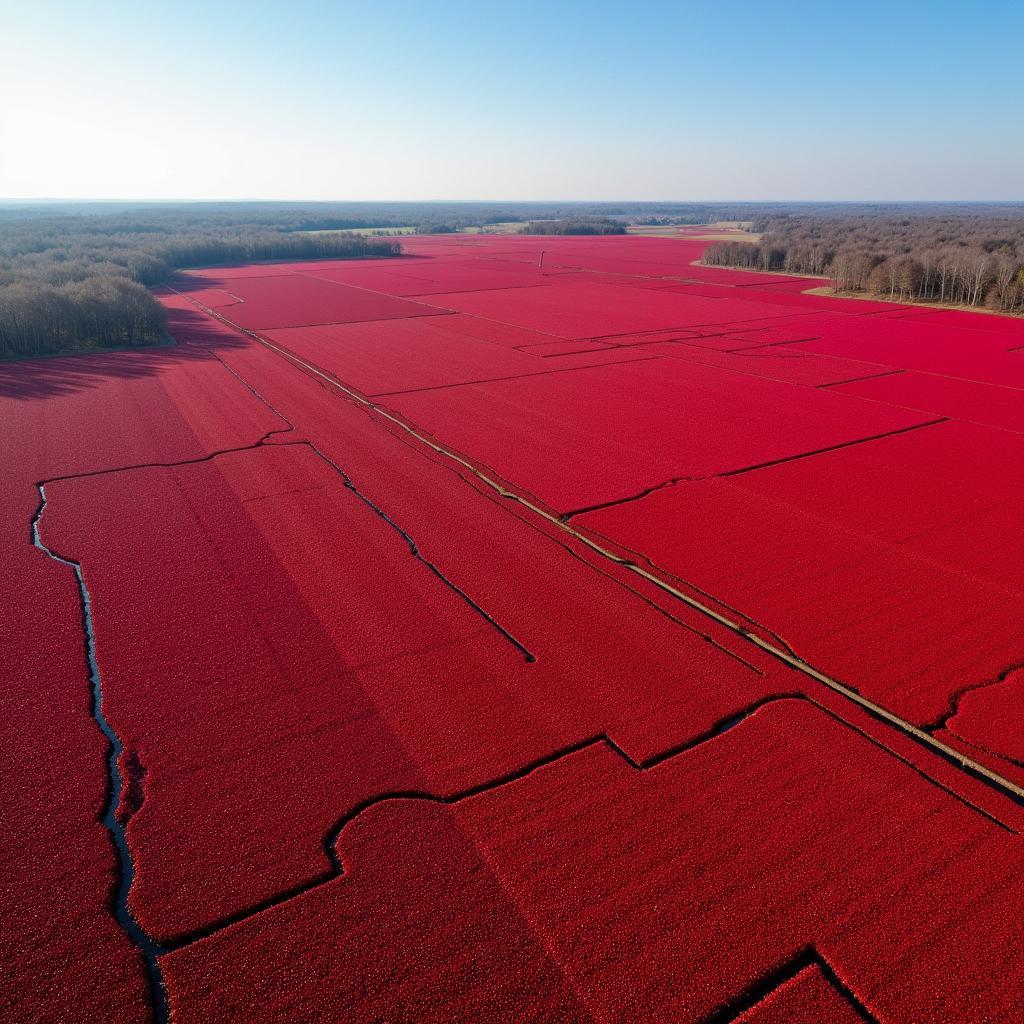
(519, 629)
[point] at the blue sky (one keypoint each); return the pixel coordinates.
(522, 100)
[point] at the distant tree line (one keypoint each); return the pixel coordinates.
(434, 227)
(591, 226)
(959, 258)
(79, 282)
(652, 222)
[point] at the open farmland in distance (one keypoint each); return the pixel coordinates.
(520, 629)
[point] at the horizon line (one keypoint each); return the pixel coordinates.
(44, 200)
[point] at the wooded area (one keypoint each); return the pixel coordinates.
(73, 283)
(962, 257)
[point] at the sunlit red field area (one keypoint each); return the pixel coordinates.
(520, 629)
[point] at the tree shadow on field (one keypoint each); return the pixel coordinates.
(195, 338)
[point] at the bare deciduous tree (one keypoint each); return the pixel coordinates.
(960, 257)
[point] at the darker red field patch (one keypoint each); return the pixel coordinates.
(294, 300)
(839, 553)
(393, 356)
(64, 955)
(736, 339)
(580, 438)
(926, 345)
(776, 362)
(946, 396)
(423, 277)
(594, 889)
(570, 309)
(365, 672)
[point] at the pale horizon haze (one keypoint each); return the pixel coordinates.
(503, 101)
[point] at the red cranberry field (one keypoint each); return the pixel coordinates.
(520, 629)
